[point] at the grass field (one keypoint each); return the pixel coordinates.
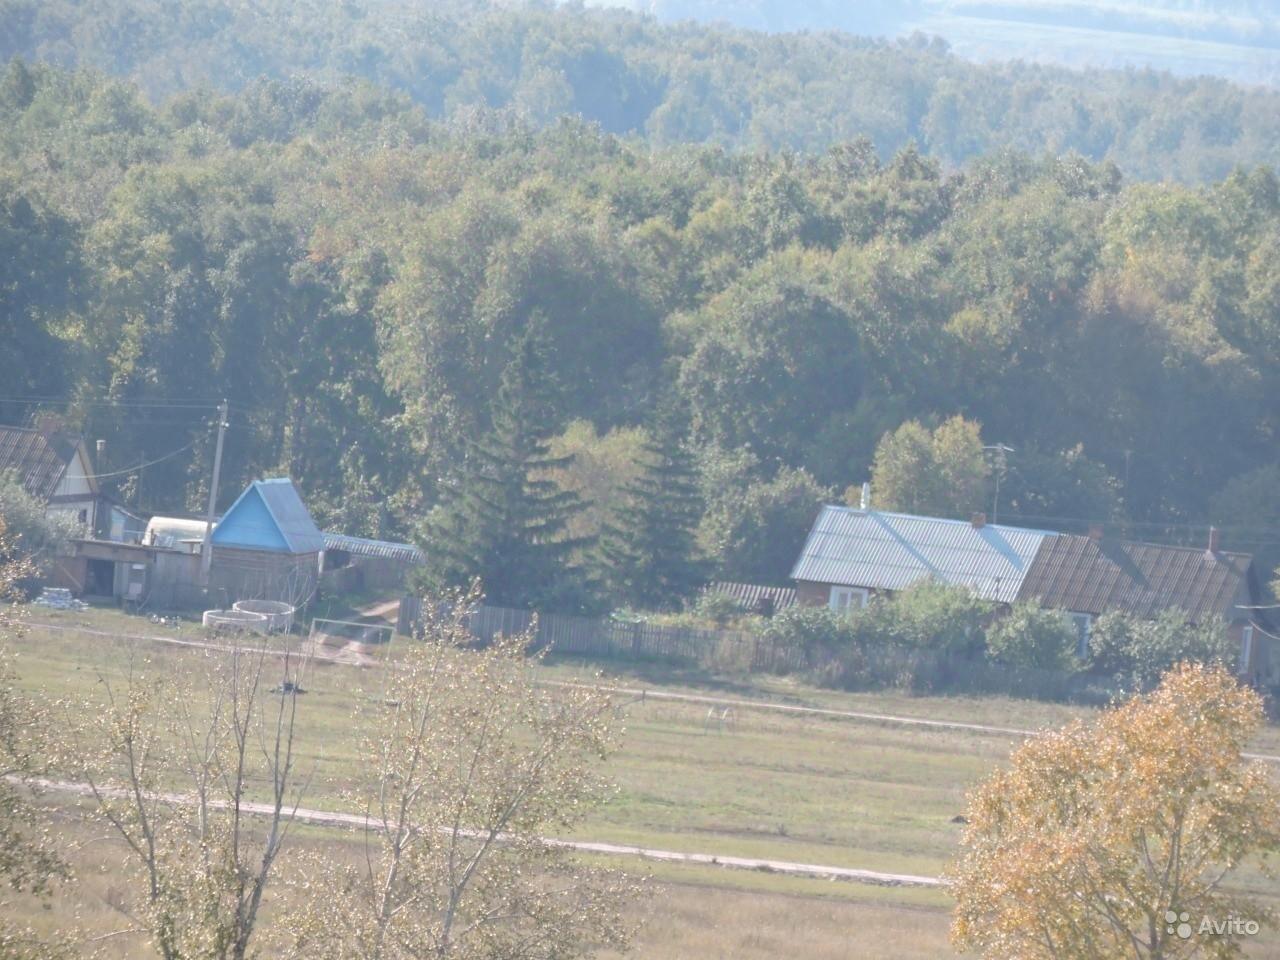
(878, 796)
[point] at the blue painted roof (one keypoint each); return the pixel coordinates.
(269, 515)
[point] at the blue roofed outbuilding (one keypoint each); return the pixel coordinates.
(269, 515)
(266, 547)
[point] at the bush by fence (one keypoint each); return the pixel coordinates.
(641, 640)
(834, 661)
(921, 641)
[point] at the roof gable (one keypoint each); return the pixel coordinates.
(1142, 579)
(891, 551)
(269, 515)
(39, 459)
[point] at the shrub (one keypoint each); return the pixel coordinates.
(929, 616)
(813, 629)
(1031, 636)
(718, 608)
(34, 535)
(1137, 653)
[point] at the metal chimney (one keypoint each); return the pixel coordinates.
(865, 502)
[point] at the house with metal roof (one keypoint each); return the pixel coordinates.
(853, 554)
(266, 546)
(54, 467)
(1093, 575)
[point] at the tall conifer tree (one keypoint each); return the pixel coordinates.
(505, 521)
(650, 555)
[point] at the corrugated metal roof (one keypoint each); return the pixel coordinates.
(1143, 579)
(891, 551)
(38, 459)
(749, 595)
(286, 525)
(383, 549)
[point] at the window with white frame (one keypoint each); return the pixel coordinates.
(848, 598)
(1082, 622)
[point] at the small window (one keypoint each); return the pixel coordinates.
(1082, 622)
(847, 598)
(84, 516)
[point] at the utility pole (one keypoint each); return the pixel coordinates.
(206, 546)
(1001, 450)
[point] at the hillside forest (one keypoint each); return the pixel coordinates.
(587, 363)
(687, 82)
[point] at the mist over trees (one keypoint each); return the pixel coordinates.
(671, 83)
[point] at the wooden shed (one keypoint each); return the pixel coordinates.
(266, 547)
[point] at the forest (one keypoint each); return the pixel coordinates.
(421, 319)
(670, 83)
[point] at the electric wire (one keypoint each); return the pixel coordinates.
(142, 466)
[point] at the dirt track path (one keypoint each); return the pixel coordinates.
(326, 818)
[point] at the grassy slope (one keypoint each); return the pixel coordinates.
(877, 796)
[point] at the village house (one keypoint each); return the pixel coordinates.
(54, 466)
(853, 554)
(265, 547)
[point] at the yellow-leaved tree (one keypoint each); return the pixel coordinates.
(1114, 838)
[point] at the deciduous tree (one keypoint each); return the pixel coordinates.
(1101, 839)
(470, 763)
(170, 758)
(938, 472)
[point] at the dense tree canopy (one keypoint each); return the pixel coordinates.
(354, 277)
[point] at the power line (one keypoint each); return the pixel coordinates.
(1155, 525)
(142, 466)
(159, 404)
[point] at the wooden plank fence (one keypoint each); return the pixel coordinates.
(636, 640)
(640, 640)
(920, 671)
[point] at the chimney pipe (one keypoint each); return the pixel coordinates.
(1214, 540)
(865, 501)
(1095, 532)
(979, 520)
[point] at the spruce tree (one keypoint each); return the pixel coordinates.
(650, 555)
(504, 521)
